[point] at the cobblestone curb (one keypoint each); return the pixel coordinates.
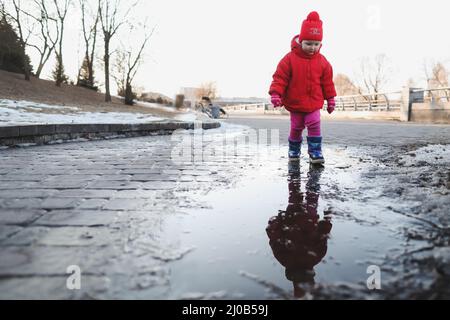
(44, 134)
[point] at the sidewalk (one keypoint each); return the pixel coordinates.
(97, 205)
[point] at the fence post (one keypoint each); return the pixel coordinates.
(406, 105)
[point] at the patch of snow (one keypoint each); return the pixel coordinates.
(218, 295)
(15, 113)
(431, 154)
(442, 257)
(158, 106)
(182, 114)
(31, 105)
(226, 126)
(56, 142)
(192, 296)
(187, 117)
(25, 145)
(193, 116)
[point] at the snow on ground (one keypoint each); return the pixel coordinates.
(157, 106)
(182, 115)
(431, 154)
(26, 112)
(32, 105)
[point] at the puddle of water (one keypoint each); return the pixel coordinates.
(321, 231)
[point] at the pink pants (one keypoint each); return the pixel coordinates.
(300, 120)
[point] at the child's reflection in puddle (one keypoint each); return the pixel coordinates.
(298, 237)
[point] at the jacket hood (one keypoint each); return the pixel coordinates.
(296, 47)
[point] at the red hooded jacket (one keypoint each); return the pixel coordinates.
(303, 81)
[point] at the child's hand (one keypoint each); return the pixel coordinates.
(276, 100)
(331, 105)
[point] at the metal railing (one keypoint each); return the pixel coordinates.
(386, 101)
(373, 102)
(248, 107)
(432, 95)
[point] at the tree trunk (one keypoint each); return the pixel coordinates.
(91, 60)
(59, 78)
(27, 73)
(91, 73)
(128, 94)
(42, 62)
(106, 58)
(39, 70)
(59, 71)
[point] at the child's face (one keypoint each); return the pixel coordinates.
(310, 46)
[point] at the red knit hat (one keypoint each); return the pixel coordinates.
(312, 28)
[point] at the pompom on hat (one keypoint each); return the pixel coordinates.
(312, 28)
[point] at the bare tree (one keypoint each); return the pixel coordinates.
(426, 71)
(90, 38)
(127, 65)
(345, 86)
(207, 89)
(62, 7)
(111, 21)
(48, 34)
(119, 71)
(374, 73)
(437, 77)
(24, 29)
(44, 39)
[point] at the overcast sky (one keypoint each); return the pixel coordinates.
(238, 43)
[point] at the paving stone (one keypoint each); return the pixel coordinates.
(60, 203)
(86, 194)
(153, 177)
(6, 231)
(32, 193)
(88, 218)
(133, 194)
(92, 204)
(21, 203)
(22, 177)
(19, 217)
(9, 185)
(76, 236)
(114, 185)
(50, 261)
(54, 287)
(26, 237)
(125, 204)
(158, 185)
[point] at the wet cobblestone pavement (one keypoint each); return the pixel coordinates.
(233, 221)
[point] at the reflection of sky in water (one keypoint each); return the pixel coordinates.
(232, 251)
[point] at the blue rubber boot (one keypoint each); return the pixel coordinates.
(315, 150)
(294, 150)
